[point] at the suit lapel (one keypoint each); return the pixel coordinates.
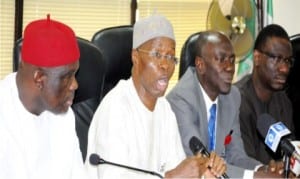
(202, 115)
(223, 123)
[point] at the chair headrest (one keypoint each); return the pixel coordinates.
(91, 73)
(188, 53)
(116, 45)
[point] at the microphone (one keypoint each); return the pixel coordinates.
(275, 134)
(197, 147)
(96, 160)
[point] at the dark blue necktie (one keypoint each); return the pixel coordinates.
(212, 128)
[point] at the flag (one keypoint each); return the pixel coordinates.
(245, 65)
(268, 15)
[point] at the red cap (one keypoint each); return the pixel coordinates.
(49, 43)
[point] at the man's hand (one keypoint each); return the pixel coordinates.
(217, 164)
(273, 170)
(277, 167)
(197, 166)
(191, 167)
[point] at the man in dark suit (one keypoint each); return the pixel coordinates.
(209, 84)
(262, 91)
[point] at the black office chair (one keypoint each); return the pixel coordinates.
(293, 85)
(90, 78)
(116, 44)
(188, 53)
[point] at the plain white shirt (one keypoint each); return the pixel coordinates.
(124, 131)
(36, 147)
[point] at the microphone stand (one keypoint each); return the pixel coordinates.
(286, 159)
(102, 161)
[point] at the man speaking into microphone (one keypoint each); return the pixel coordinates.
(134, 129)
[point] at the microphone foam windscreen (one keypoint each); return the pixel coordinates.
(94, 159)
(263, 123)
(195, 145)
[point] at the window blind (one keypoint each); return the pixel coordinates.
(85, 17)
(7, 12)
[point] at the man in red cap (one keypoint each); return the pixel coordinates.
(37, 125)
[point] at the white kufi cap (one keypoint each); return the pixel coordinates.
(151, 27)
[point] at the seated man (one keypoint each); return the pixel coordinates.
(262, 92)
(134, 124)
(207, 106)
(38, 138)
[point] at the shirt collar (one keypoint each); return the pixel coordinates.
(207, 100)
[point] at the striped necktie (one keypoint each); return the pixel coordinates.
(212, 128)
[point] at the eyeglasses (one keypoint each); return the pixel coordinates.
(157, 55)
(278, 59)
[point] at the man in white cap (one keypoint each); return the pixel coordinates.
(134, 124)
(37, 125)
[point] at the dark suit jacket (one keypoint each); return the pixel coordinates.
(187, 102)
(279, 107)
